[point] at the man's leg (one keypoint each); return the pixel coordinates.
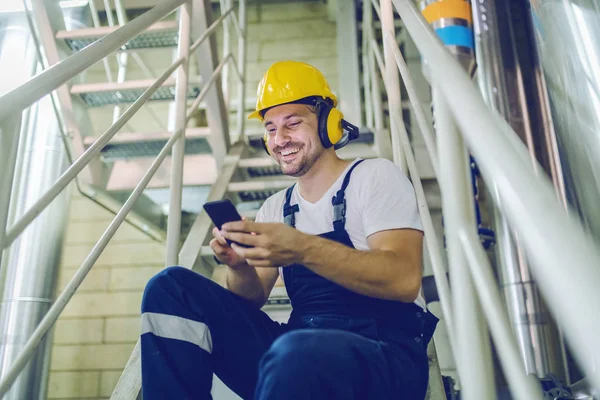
(192, 327)
(338, 365)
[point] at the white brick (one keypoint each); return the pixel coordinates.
(90, 231)
(90, 357)
(298, 49)
(128, 278)
(116, 253)
(96, 280)
(108, 382)
(84, 209)
(281, 31)
(78, 331)
(104, 304)
(122, 330)
(289, 11)
(73, 385)
(327, 65)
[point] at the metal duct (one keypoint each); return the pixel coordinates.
(501, 75)
(31, 264)
(568, 37)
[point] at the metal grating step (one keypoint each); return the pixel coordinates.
(258, 190)
(161, 34)
(150, 148)
(256, 196)
(103, 94)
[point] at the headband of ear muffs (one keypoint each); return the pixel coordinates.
(331, 125)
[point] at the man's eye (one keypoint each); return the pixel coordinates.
(295, 124)
(271, 130)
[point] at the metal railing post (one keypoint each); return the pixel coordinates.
(392, 80)
(241, 64)
(224, 6)
(522, 385)
(177, 157)
(472, 348)
(367, 22)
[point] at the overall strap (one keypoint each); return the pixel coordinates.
(289, 212)
(339, 202)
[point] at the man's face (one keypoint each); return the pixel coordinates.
(292, 138)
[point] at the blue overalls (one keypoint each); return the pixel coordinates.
(337, 344)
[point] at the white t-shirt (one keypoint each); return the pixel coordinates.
(379, 197)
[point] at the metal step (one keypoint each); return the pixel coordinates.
(110, 93)
(258, 190)
(161, 34)
(130, 145)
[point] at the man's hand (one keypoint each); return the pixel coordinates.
(273, 244)
(224, 252)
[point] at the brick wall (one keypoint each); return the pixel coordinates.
(98, 330)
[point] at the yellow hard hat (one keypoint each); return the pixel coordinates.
(289, 81)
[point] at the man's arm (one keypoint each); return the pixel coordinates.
(254, 284)
(390, 270)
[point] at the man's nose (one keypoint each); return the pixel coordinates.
(281, 138)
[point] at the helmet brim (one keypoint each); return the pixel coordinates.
(255, 114)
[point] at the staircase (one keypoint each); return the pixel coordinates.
(230, 163)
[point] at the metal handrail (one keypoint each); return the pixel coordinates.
(25, 95)
(417, 106)
(55, 77)
(552, 237)
(71, 173)
(54, 312)
(86, 157)
(433, 246)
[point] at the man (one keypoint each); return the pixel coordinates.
(347, 241)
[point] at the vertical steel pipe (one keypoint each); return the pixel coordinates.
(30, 265)
(472, 348)
(33, 259)
(501, 75)
(10, 130)
(177, 158)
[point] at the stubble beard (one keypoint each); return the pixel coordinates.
(303, 164)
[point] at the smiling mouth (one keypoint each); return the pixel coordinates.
(290, 151)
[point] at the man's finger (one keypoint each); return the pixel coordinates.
(261, 263)
(243, 238)
(254, 253)
(242, 226)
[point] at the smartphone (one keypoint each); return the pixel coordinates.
(221, 212)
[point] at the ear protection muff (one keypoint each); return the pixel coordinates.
(330, 124)
(333, 129)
